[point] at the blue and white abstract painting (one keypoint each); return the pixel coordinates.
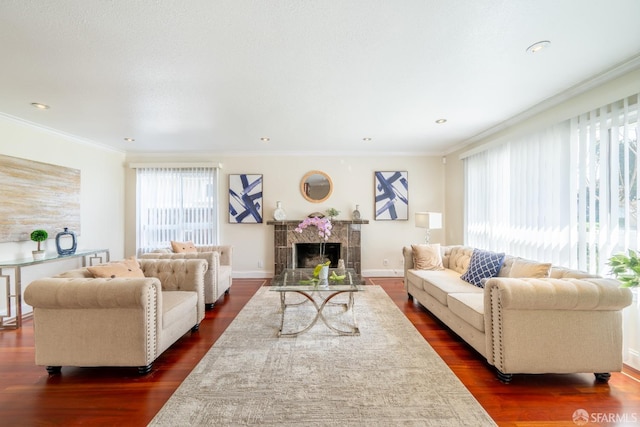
(245, 199)
(392, 195)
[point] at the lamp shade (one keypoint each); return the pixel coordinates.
(430, 220)
(422, 219)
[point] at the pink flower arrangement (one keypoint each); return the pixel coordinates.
(322, 224)
(324, 231)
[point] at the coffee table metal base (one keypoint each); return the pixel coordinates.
(319, 312)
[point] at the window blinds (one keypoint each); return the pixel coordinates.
(517, 197)
(176, 203)
(605, 147)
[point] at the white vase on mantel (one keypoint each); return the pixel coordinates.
(279, 214)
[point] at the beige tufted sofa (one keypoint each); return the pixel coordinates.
(84, 321)
(218, 276)
(570, 322)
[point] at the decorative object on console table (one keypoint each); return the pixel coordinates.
(279, 214)
(62, 240)
(391, 196)
(430, 221)
(245, 199)
(356, 213)
(39, 236)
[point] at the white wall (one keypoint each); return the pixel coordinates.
(101, 199)
(353, 181)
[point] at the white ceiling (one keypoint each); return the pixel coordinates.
(205, 76)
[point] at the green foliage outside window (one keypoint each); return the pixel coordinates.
(626, 268)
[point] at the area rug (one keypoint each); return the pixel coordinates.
(386, 376)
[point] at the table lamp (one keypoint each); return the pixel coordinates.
(430, 221)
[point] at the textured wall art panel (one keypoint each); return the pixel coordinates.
(245, 199)
(37, 196)
(392, 195)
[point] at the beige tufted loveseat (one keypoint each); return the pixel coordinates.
(569, 322)
(84, 321)
(217, 279)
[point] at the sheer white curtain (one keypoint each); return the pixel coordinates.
(176, 203)
(605, 149)
(517, 197)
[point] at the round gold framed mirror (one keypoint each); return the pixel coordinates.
(316, 186)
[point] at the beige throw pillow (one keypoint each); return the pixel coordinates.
(126, 268)
(427, 257)
(525, 268)
(183, 247)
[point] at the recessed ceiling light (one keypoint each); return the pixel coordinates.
(441, 121)
(265, 139)
(537, 47)
(39, 106)
(129, 139)
(366, 139)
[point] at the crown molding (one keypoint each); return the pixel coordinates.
(60, 133)
(619, 70)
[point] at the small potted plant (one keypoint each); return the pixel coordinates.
(39, 236)
(332, 213)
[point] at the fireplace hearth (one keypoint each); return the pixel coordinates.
(346, 234)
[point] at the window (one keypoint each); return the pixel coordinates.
(605, 147)
(517, 197)
(567, 195)
(178, 204)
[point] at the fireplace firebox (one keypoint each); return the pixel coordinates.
(308, 254)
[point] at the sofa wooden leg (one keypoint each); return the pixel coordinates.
(504, 378)
(54, 370)
(209, 306)
(410, 297)
(602, 377)
(227, 291)
(195, 327)
(144, 370)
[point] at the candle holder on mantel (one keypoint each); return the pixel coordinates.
(356, 213)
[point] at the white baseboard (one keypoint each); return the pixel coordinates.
(252, 274)
(389, 272)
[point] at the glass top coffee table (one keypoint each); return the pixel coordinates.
(319, 293)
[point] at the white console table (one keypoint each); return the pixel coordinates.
(15, 292)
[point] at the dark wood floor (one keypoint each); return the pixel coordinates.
(119, 396)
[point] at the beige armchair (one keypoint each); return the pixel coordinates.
(84, 321)
(218, 276)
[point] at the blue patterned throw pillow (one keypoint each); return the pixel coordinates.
(483, 265)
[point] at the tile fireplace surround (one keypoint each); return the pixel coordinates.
(347, 233)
